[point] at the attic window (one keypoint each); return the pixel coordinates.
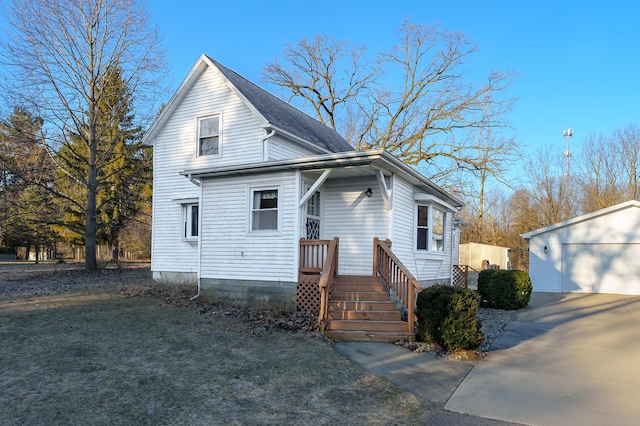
(209, 135)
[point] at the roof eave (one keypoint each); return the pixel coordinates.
(149, 136)
(298, 140)
(342, 159)
(581, 218)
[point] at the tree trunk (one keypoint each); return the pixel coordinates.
(115, 254)
(90, 261)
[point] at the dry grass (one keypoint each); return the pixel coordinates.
(78, 351)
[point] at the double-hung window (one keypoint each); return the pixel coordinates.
(190, 219)
(430, 226)
(264, 209)
(209, 135)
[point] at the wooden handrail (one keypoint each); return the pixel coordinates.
(329, 271)
(396, 277)
(313, 254)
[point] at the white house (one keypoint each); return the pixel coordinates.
(240, 177)
(594, 253)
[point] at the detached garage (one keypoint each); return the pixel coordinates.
(598, 252)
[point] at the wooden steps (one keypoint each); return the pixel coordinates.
(360, 310)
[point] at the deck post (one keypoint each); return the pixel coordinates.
(375, 256)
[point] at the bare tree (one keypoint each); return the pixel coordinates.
(61, 54)
(554, 196)
(628, 138)
(600, 173)
(415, 101)
(609, 167)
(330, 75)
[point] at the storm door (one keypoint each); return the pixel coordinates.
(312, 220)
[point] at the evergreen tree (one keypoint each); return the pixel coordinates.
(123, 169)
(27, 208)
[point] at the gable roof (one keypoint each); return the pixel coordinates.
(584, 217)
(277, 114)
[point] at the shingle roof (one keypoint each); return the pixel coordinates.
(284, 116)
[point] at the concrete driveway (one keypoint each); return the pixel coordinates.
(567, 359)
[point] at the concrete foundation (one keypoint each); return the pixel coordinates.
(260, 294)
(180, 278)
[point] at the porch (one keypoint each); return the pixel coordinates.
(376, 307)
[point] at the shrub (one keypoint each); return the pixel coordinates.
(446, 316)
(505, 289)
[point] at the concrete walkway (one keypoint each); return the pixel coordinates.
(429, 377)
(566, 359)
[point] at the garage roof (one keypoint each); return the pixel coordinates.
(578, 219)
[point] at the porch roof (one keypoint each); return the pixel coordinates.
(352, 163)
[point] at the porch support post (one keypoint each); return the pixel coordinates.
(315, 186)
(383, 190)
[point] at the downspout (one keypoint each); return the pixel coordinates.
(264, 143)
(197, 183)
(193, 180)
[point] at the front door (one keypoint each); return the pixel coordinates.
(312, 219)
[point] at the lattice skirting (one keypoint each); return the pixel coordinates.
(460, 276)
(307, 293)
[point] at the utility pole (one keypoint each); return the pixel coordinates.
(567, 154)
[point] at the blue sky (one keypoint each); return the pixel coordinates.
(577, 61)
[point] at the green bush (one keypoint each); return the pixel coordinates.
(505, 289)
(446, 316)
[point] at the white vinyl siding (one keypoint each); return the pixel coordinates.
(175, 151)
(356, 220)
(241, 131)
(545, 269)
(229, 251)
(423, 265)
(280, 149)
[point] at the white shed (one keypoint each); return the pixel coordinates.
(476, 254)
(594, 253)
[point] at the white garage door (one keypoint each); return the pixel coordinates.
(601, 268)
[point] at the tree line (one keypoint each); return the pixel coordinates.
(81, 84)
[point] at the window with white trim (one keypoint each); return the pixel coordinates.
(209, 135)
(264, 209)
(430, 226)
(190, 221)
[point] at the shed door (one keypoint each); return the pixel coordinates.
(601, 268)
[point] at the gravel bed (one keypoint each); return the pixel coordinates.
(493, 322)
